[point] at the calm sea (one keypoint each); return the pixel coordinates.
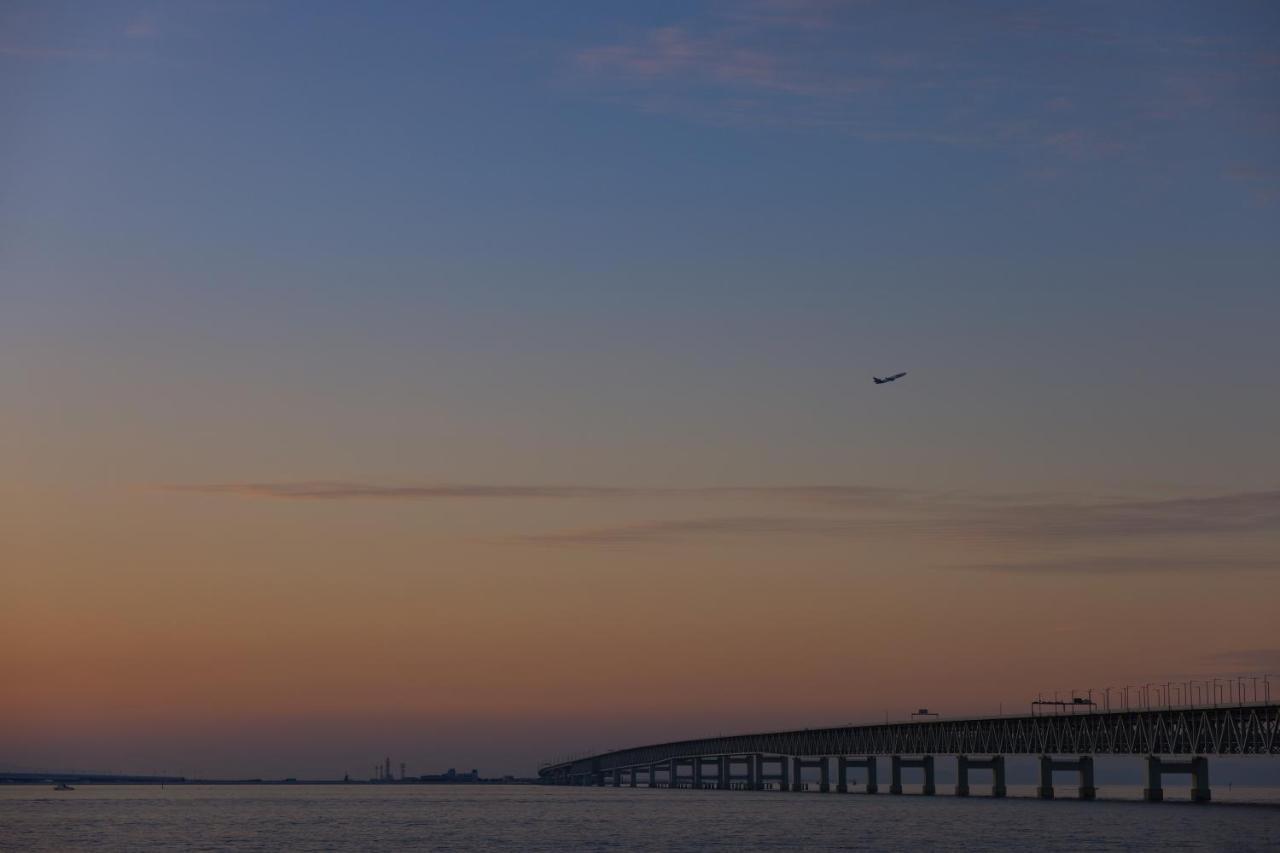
(325, 818)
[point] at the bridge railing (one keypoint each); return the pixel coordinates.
(1168, 694)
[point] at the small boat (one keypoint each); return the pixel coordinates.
(63, 786)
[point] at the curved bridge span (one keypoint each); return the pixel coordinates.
(1246, 729)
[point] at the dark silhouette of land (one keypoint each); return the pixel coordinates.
(36, 778)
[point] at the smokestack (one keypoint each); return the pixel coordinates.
(401, 771)
(386, 773)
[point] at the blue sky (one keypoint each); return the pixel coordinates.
(782, 196)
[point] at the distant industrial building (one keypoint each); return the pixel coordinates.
(452, 777)
(382, 774)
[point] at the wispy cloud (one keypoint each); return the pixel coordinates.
(144, 26)
(679, 56)
(336, 491)
(972, 520)
(40, 33)
(859, 513)
(1114, 565)
(1240, 512)
(687, 530)
(674, 52)
(940, 74)
(330, 490)
(1082, 144)
(1263, 184)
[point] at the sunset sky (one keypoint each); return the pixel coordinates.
(472, 383)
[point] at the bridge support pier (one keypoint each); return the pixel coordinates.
(1198, 767)
(722, 773)
(757, 767)
(699, 767)
(995, 764)
(673, 772)
(1083, 766)
(843, 763)
(653, 775)
(798, 764)
(763, 777)
(924, 763)
(748, 779)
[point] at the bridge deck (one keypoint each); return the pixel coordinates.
(1252, 729)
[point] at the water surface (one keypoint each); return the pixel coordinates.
(366, 817)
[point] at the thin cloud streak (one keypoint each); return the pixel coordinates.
(685, 530)
(321, 490)
(1111, 565)
(674, 52)
(850, 512)
(1241, 512)
(881, 72)
(330, 491)
(975, 520)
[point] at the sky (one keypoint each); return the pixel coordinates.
(476, 383)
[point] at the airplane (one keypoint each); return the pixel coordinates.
(895, 376)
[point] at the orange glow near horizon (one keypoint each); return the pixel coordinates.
(234, 613)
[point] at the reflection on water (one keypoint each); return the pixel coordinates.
(537, 818)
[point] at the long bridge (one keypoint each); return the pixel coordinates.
(1064, 742)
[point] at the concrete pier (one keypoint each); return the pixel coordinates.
(843, 763)
(995, 764)
(702, 779)
(1157, 767)
(673, 772)
(748, 779)
(763, 777)
(824, 773)
(898, 763)
(751, 772)
(1083, 766)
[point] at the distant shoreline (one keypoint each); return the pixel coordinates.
(54, 779)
